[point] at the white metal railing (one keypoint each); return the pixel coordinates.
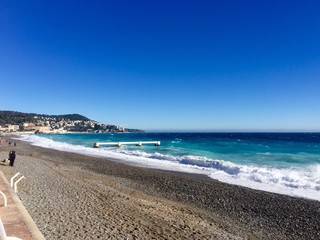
(11, 180)
(4, 197)
(3, 234)
(14, 185)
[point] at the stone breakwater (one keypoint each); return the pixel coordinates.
(72, 196)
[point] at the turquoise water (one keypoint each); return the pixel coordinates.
(270, 149)
(280, 162)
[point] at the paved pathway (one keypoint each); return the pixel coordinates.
(16, 220)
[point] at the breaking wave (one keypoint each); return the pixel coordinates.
(300, 182)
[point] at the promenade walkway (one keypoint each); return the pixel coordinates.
(16, 220)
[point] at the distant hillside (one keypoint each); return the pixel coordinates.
(12, 117)
(43, 123)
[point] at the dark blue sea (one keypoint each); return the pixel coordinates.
(287, 163)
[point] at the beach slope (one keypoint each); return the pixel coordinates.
(72, 196)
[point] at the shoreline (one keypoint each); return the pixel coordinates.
(140, 203)
(277, 181)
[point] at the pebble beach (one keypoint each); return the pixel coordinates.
(73, 196)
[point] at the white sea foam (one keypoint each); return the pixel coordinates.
(290, 181)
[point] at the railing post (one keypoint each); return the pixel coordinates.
(15, 184)
(5, 198)
(11, 180)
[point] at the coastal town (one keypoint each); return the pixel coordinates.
(58, 124)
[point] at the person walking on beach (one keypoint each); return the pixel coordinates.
(12, 157)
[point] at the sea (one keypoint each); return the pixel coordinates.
(284, 163)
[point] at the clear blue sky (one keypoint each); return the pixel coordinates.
(165, 65)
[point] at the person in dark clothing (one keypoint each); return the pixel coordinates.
(12, 157)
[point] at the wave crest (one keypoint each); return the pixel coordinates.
(303, 182)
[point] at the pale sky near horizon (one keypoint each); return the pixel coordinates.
(165, 65)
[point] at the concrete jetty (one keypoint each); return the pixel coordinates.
(119, 144)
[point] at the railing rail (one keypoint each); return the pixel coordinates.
(5, 198)
(11, 180)
(14, 185)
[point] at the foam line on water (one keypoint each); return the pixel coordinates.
(290, 181)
